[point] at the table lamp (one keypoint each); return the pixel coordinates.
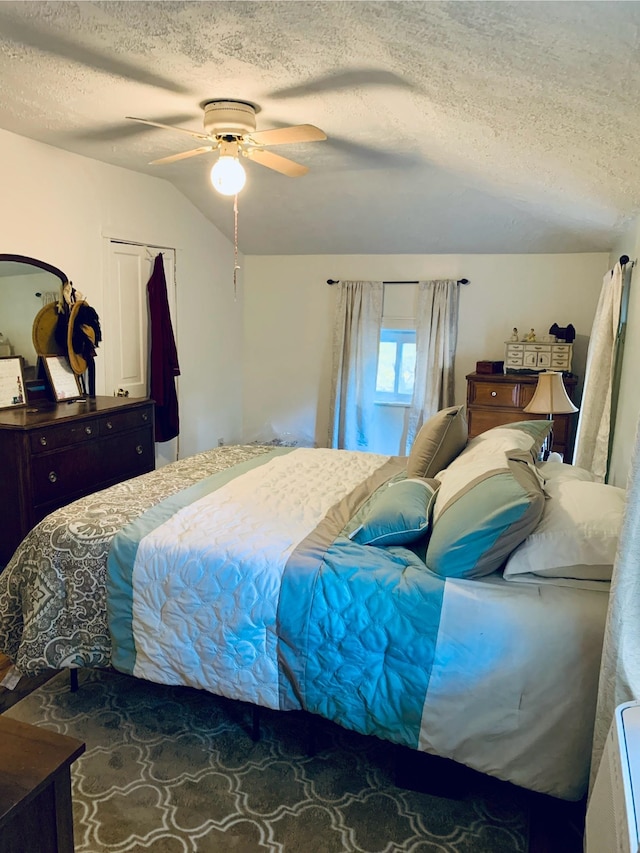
(550, 398)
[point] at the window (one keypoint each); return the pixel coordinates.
(396, 366)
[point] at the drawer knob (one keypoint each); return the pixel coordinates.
(145, 416)
(494, 393)
(52, 476)
(43, 441)
(109, 425)
(139, 449)
(88, 430)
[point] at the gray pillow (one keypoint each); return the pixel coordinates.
(438, 442)
(400, 514)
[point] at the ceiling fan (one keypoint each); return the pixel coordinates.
(230, 129)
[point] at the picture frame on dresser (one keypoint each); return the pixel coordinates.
(12, 391)
(64, 382)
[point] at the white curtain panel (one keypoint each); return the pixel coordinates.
(356, 339)
(592, 435)
(436, 339)
(620, 668)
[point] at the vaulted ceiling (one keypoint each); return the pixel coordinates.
(452, 127)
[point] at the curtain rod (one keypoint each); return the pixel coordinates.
(460, 281)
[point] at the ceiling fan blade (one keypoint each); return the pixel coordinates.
(276, 162)
(169, 127)
(121, 131)
(172, 158)
(288, 135)
(47, 41)
(351, 79)
(368, 157)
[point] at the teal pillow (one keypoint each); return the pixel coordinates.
(399, 514)
(485, 517)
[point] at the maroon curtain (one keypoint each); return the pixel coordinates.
(164, 365)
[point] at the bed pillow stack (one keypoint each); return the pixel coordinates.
(490, 499)
(400, 514)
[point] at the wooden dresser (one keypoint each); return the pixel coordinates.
(499, 398)
(53, 454)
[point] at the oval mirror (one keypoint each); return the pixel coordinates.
(26, 284)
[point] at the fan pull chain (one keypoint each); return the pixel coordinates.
(236, 267)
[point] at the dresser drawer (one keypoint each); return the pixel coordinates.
(129, 454)
(494, 394)
(119, 421)
(63, 435)
(64, 474)
(67, 474)
(516, 360)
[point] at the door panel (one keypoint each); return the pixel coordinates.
(126, 324)
(127, 320)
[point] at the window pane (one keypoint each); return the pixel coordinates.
(385, 379)
(407, 369)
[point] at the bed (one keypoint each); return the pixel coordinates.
(394, 596)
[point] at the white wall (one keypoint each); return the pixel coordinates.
(60, 208)
(289, 321)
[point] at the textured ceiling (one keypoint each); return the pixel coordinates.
(452, 127)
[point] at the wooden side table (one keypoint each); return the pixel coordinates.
(494, 399)
(35, 788)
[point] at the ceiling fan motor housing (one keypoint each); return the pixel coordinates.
(229, 117)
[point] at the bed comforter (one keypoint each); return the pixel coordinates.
(232, 571)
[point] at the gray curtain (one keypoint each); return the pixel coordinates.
(594, 421)
(356, 340)
(620, 667)
(436, 339)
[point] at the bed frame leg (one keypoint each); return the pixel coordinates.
(73, 680)
(255, 723)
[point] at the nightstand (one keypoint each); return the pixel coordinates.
(494, 399)
(35, 788)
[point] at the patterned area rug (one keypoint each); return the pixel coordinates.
(174, 770)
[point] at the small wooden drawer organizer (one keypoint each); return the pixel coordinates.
(537, 356)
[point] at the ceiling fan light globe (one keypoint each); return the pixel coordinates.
(228, 175)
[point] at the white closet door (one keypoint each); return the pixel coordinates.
(125, 326)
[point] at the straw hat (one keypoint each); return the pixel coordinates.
(43, 332)
(83, 335)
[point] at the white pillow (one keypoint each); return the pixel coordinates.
(561, 472)
(577, 536)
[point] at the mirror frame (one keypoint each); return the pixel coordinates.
(43, 265)
(40, 372)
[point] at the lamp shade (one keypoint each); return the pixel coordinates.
(550, 396)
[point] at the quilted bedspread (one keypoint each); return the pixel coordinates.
(232, 571)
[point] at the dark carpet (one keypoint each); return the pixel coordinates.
(175, 770)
